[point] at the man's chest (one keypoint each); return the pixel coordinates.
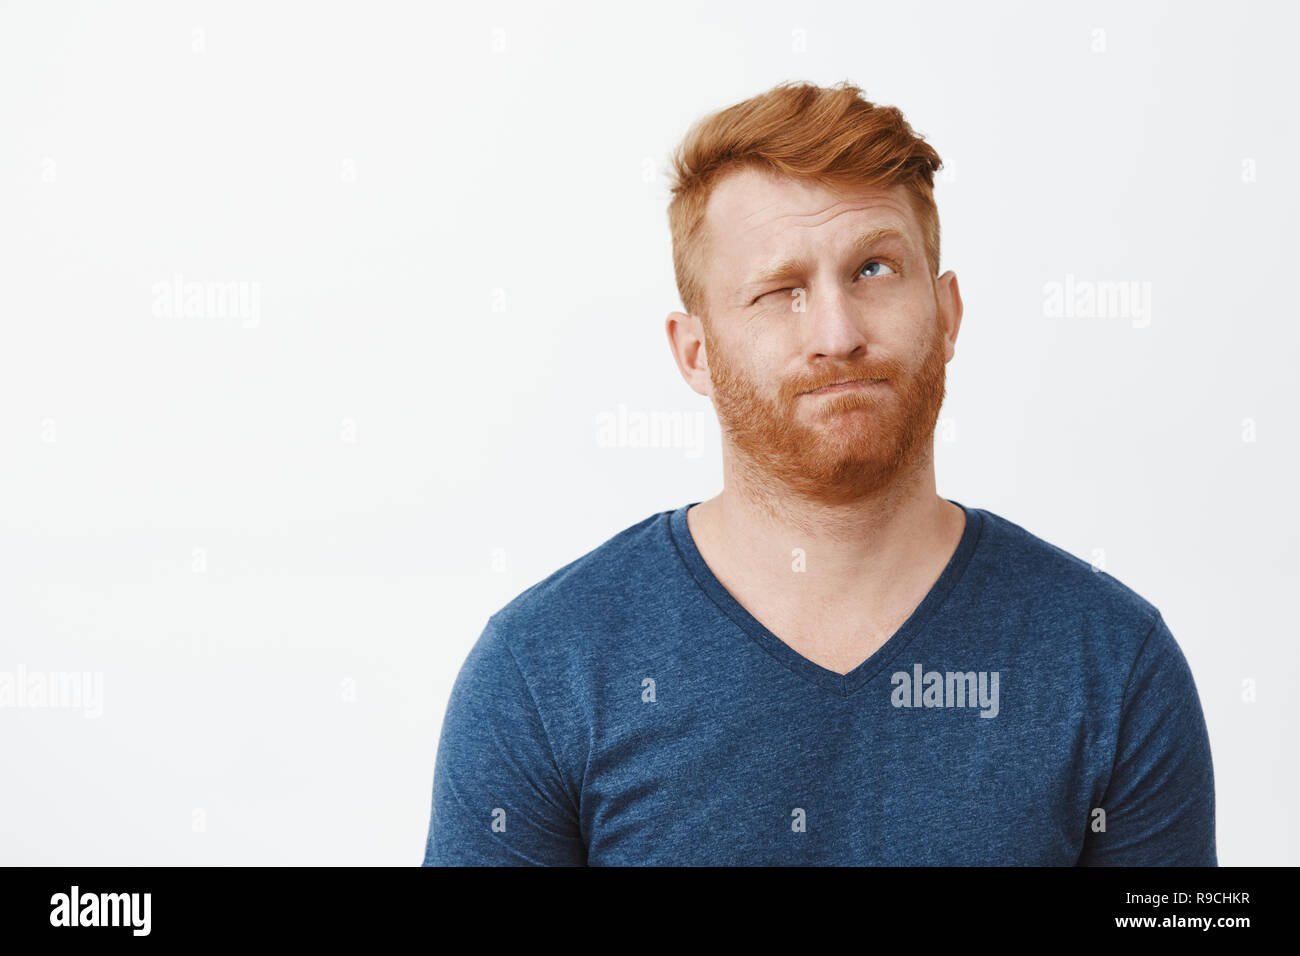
(770, 784)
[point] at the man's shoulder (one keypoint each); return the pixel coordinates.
(595, 589)
(1031, 570)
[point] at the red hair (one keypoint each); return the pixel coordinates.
(829, 135)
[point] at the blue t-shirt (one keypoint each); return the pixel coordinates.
(628, 710)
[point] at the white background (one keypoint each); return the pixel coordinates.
(276, 537)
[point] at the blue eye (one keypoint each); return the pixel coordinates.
(877, 262)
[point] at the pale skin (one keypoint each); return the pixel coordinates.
(869, 562)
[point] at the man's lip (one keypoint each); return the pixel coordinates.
(847, 384)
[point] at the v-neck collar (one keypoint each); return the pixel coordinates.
(842, 684)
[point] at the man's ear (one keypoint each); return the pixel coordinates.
(948, 296)
(686, 340)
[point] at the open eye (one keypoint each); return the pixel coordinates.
(876, 262)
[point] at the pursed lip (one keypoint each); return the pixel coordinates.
(847, 384)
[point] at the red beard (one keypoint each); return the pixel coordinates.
(838, 448)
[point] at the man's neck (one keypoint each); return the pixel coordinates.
(873, 559)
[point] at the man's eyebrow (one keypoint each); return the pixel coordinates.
(793, 266)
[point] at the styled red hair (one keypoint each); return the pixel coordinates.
(829, 135)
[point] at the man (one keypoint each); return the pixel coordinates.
(827, 662)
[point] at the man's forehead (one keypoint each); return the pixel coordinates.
(750, 204)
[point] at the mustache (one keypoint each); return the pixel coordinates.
(890, 369)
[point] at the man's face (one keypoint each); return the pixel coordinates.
(843, 306)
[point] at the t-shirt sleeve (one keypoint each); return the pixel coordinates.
(499, 796)
(1159, 802)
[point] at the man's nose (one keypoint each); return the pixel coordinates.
(833, 325)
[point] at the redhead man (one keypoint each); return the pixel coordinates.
(827, 663)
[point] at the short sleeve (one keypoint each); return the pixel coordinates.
(499, 797)
(1159, 802)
